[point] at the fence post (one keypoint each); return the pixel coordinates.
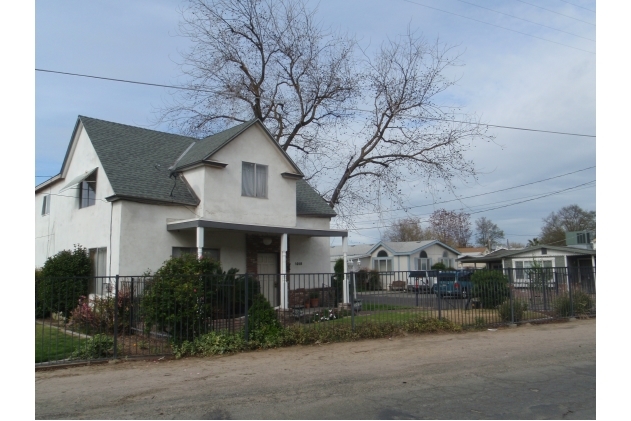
(116, 318)
(247, 310)
(131, 304)
(510, 295)
(352, 297)
(440, 316)
(571, 297)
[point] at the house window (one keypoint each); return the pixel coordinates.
(87, 191)
(423, 262)
(206, 252)
(582, 238)
(382, 262)
(446, 260)
(254, 180)
(98, 259)
(46, 205)
(527, 271)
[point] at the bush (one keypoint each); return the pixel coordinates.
(97, 315)
(490, 287)
(225, 342)
(337, 282)
(368, 280)
(519, 308)
(186, 292)
(582, 304)
(262, 320)
(63, 279)
(99, 346)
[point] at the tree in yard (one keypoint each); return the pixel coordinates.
(450, 227)
(407, 229)
(533, 242)
(568, 218)
(487, 233)
(272, 60)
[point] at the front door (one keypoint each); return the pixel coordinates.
(267, 270)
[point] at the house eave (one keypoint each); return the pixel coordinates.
(47, 183)
(205, 223)
(149, 201)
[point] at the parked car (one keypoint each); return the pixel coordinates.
(454, 284)
(418, 281)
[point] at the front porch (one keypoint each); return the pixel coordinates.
(270, 254)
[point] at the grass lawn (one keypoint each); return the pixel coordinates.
(53, 344)
(382, 307)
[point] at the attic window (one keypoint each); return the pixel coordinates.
(254, 180)
(382, 253)
(87, 191)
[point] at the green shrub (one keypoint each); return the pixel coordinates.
(186, 292)
(63, 279)
(262, 320)
(337, 281)
(519, 308)
(98, 346)
(213, 343)
(490, 287)
(368, 280)
(582, 304)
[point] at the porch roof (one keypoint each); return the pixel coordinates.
(205, 223)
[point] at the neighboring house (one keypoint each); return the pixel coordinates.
(466, 252)
(580, 239)
(550, 256)
(397, 258)
(134, 197)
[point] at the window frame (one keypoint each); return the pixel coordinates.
(256, 184)
(46, 205)
(86, 187)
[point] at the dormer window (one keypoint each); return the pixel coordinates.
(87, 191)
(254, 180)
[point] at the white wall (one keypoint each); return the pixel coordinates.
(67, 225)
(222, 187)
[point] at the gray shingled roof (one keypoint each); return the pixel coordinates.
(502, 253)
(129, 156)
(352, 251)
(309, 202)
(208, 145)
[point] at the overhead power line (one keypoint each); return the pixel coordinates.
(552, 11)
(481, 194)
(354, 109)
(501, 27)
(576, 5)
(525, 20)
(504, 206)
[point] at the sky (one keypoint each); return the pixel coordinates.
(533, 69)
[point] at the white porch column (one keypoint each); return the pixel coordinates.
(200, 241)
(344, 252)
(284, 298)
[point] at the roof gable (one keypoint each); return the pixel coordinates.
(410, 247)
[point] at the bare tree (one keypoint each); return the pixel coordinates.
(487, 233)
(407, 229)
(450, 227)
(271, 60)
(568, 218)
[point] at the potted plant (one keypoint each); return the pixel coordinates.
(314, 299)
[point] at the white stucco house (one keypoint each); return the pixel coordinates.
(134, 197)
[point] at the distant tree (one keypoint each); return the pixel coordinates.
(407, 229)
(451, 227)
(515, 245)
(568, 218)
(533, 242)
(487, 233)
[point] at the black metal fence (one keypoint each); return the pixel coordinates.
(79, 319)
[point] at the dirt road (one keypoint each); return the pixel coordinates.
(531, 372)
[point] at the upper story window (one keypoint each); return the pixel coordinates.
(254, 180)
(46, 205)
(87, 191)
